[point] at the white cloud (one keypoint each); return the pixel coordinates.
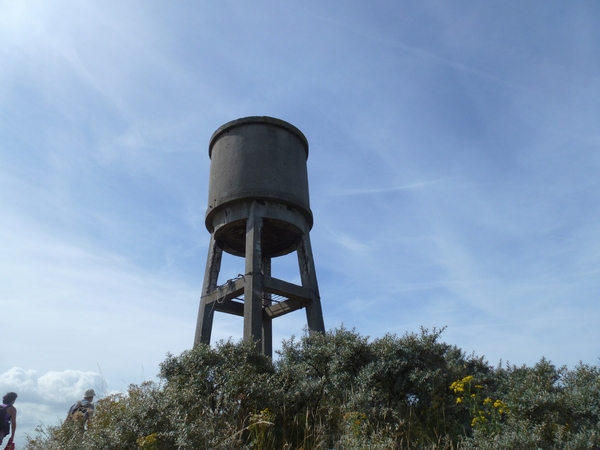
(50, 387)
(17, 379)
(68, 384)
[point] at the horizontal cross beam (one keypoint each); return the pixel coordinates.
(296, 296)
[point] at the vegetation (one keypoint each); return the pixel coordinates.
(341, 391)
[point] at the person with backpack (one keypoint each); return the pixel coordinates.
(8, 417)
(81, 413)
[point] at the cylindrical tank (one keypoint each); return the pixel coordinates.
(262, 160)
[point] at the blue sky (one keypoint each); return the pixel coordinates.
(453, 170)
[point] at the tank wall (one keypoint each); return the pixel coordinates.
(258, 158)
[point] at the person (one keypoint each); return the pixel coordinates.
(8, 417)
(83, 411)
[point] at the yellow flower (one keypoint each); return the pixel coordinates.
(478, 420)
(457, 387)
(459, 400)
(148, 442)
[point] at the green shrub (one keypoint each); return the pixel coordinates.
(547, 408)
(338, 390)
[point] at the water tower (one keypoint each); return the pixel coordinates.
(258, 209)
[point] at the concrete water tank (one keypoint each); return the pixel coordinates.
(262, 159)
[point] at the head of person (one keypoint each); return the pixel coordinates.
(9, 398)
(89, 394)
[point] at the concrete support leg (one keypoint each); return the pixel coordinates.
(211, 275)
(314, 313)
(254, 279)
(267, 325)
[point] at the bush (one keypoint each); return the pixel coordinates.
(547, 408)
(339, 390)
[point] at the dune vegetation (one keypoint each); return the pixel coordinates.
(340, 390)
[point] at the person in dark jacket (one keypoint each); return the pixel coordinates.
(8, 417)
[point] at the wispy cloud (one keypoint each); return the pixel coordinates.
(383, 190)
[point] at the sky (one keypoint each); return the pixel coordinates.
(453, 174)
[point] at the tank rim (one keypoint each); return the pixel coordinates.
(257, 119)
(211, 211)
